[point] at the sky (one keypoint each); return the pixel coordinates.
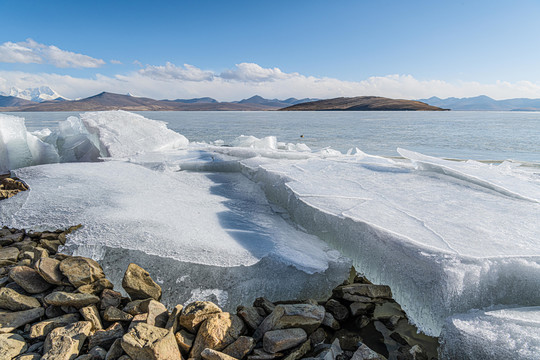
(231, 50)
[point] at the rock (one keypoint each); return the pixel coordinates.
(110, 298)
(29, 279)
(50, 245)
(260, 354)
(137, 319)
(8, 239)
(96, 287)
(90, 313)
(317, 337)
(209, 354)
(398, 338)
(217, 332)
(265, 304)
(250, 315)
(49, 269)
(352, 291)
(305, 316)
(125, 357)
(28, 356)
(240, 348)
(12, 184)
(184, 340)
(81, 271)
(49, 236)
(147, 342)
(8, 255)
(12, 300)
(299, 352)
(172, 322)
(195, 313)
(97, 353)
(113, 314)
(11, 345)
(40, 253)
(418, 353)
(61, 298)
(105, 338)
(52, 311)
(115, 350)
(157, 314)
(43, 328)
(64, 343)
(330, 322)
(365, 353)
(12, 320)
(139, 285)
(338, 310)
(137, 307)
(332, 352)
(361, 308)
(348, 340)
(26, 255)
(279, 340)
(36, 347)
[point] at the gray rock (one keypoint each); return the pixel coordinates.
(43, 328)
(278, 340)
(184, 340)
(217, 332)
(240, 348)
(105, 338)
(305, 316)
(365, 353)
(50, 245)
(90, 313)
(8, 255)
(330, 322)
(195, 313)
(332, 352)
(157, 314)
(60, 298)
(53, 311)
(113, 314)
(81, 271)
(299, 352)
(317, 337)
(352, 291)
(40, 253)
(11, 345)
(172, 322)
(260, 354)
(115, 350)
(250, 315)
(265, 304)
(361, 308)
(97, 353)
(29, 279)
(65, 343)
(12, 320)
(147, 342)
(139, 285)
(338, 310)
(209, 354)
(12, 300)
(49, 269)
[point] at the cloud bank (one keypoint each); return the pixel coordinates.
(30, 51)
(171, 81)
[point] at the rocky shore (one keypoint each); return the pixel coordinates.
(56, 306)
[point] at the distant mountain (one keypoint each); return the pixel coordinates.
(38, 94)
(363, 103)
(6, 101)
(484, 103)
(203, 100)
(273, 102)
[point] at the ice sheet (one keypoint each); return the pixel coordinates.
(512, 333)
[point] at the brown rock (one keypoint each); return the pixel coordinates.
(11, 345)
(139, 285)
(361, 308)
(96, 287)
(49, 269)
(338, 310)
(12, 300)
(49, 236)
(9, 321)
(81, 271)
(8, 256)
(147, 342)
(209, 354)
(172, 322)
(113, 314)
(61, 298)
(29, 279)
(260, 354)
(105, 338)
(39, 253)
(110, 298)
(43, 328)
(353, 291)
(279, 340)
(217, 332)
(195, 313)
(265, 304)
(50, 245)
(305, 316)
(90, 313)
(115, 350)
(240, 347)
(137, 307)
(299, 352)
(157, 314)
(65, 343)
(184, 340)
(137, 319)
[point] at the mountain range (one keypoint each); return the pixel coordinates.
(484, 103)
(363, 103)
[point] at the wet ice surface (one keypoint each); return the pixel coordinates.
(446, 236)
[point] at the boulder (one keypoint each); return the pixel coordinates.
(43, 328)
(29, 279)
(110, 298)
(330, 322)
(240, 347)
(113, 314)
(137, 307)
(90, 313)
(172, 322)
(81, 271)
(361, 308)
(299, 352)
(105, 338)
(11, 345)
(50, 245)
(217, 332)
(115, 351)
(49, 269)
(139, 285)
(195, 313)
(9, 321)
(147, 342)
(365, 353)
(260, 354)
(157, 314)
(358, 292)
(65, 343)
(305, 316)
(338, 310)
(278, 340)
(265, 304)
(184, 340)
(96, 287)
(61, 298)
(12, 300)
(209, 354)
(250, 315)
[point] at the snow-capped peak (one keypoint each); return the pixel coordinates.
(38, 94)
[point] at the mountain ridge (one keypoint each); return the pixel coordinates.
(363, 103)
(484, 103)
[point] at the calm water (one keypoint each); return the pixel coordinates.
(459, 134)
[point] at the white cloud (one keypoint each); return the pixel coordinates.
(171, 82)
(250, 72)
(173, 72)
(30, 51)
(115, 62)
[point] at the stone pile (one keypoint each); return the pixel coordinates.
(10, 187)
(56, 306)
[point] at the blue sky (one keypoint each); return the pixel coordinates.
(408, 49)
